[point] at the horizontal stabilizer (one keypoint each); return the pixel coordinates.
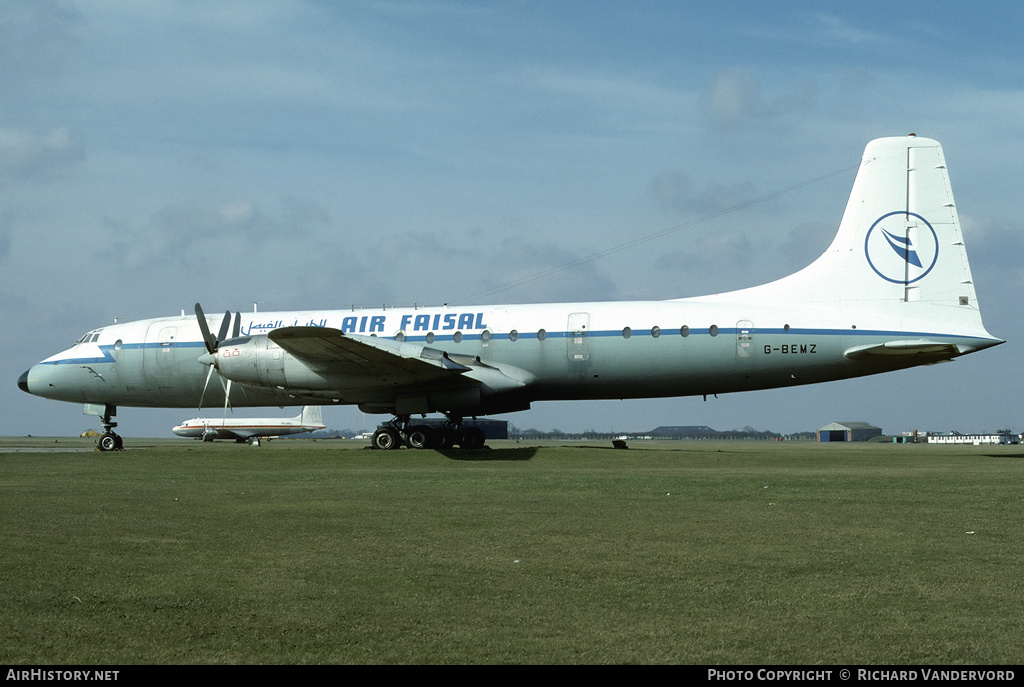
(901, 351)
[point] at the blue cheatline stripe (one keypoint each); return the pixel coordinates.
(107, 357)
(674, 333)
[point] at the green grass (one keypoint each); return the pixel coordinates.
(674, 552)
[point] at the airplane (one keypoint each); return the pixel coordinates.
(893, 290)
(243, 429)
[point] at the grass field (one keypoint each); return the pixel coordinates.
(670, 552)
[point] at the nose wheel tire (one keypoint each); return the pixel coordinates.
(110, 442)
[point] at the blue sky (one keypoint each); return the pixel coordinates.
(320, 154)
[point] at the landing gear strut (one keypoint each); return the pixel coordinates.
(399, 432)
(109, 440)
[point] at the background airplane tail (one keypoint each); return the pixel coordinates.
(899, 240)
(311, 415)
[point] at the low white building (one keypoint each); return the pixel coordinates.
(975, 439)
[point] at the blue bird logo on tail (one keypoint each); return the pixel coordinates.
(902, 257)
(903, 247)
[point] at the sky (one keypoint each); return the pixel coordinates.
(314, 154)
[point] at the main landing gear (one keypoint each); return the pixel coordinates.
(399, 432)
(109, 440)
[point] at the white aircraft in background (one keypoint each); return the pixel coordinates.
(893, 290)
(242, 429)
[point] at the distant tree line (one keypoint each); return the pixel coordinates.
(697, 433)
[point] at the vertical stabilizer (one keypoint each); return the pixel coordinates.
(900, 237)
(899, 240)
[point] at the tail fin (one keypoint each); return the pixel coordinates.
(900, 237)
(899, 240)
(312, 415)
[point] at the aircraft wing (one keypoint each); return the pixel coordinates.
(331, 350)
(233, 433)
(901, 351)
(219, 431)
(414, 366)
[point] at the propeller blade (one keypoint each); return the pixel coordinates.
(236, 330)
(225, 387)
(211, 343)
(224, 324)
(203, 395)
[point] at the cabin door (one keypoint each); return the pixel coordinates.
(744, 339)
(578, 344)
(159, 355)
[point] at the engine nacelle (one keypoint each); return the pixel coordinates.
(258, 361)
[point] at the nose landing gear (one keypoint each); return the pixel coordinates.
(109, 440)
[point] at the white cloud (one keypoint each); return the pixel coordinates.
(733, 99)
(27, 156)
(831, 28)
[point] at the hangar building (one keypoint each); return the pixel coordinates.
(848, 431)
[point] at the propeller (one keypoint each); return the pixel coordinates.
(212, 344)
(208, 338)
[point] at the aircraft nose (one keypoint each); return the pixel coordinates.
(23, 382)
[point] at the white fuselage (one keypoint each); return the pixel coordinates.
(569, 351)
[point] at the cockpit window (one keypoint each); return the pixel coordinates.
(90, 337)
